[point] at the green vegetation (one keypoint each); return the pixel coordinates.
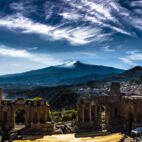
(64, 115)
(60, 97)
(59, 115)
(37, 99)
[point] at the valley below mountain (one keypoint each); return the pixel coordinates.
(67, 92)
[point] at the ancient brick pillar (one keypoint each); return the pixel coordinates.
(0, 95)
(82, 109)
(90, 112)
(115, 89)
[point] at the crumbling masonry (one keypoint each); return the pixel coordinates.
(36, 113)
(116, 110)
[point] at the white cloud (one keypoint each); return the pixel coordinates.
(91, 54)
(132, 57)
(33, 48)
(120, 30)
(103, 10)
(70, 15)
(78, 35)
(100, 12)
(108, 49)
(23, 7)
(11, 52)
(133, 52)
(137, 22)
(24, 24)
(98, 15)
(136, 3)
(24, 54)
(128, 61)
(17, 6)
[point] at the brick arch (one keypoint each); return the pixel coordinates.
(130, 121)
(22, 116)
(130, 110)
(17, 107)
(104, 115)
(130, 116)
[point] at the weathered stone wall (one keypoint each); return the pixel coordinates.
(116, 110)
(0, 95)
(35, 112)
(131, 113)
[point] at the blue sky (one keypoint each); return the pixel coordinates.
(41, 33)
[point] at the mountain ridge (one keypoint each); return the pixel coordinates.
(60, 74)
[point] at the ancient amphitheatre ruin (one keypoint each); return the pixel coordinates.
(114, 112)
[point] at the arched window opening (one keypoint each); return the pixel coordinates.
(5, 116)
(35, 117)
(130, 121)
(93, 112)
(116, 112)
(19, 119)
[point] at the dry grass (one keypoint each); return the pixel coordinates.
(70, 138)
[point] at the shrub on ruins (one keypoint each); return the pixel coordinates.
(68, 115)
(56, 116)
(37, 99)
(63, 115)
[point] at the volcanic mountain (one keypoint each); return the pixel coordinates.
(71, 72)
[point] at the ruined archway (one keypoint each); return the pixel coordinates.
(19, 118)
(130, 121)
(104, 117)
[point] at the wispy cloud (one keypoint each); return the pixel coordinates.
(102, 14)
(33, 48)
(24, 54)
(132, 57)
(88, 54)
(78, 35)
(128, 61)
(71, 15)
(23, 7)
(137, 3)
(13, 52)
(108, 49)
(17, 6)
(80, 22)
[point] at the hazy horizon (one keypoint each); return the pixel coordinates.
(65, 62)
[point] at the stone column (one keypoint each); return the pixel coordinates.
(0, 114)
(32, 113)
(27, 113)
(78, 113)
(96, 113)
(82, 113)
(107, 116)
(38, 114)
(9, 117)
(12, 116)
(90, 113)
(46, 113)
(0, 95)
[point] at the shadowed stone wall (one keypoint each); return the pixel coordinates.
(35, 112)
(116, 111)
